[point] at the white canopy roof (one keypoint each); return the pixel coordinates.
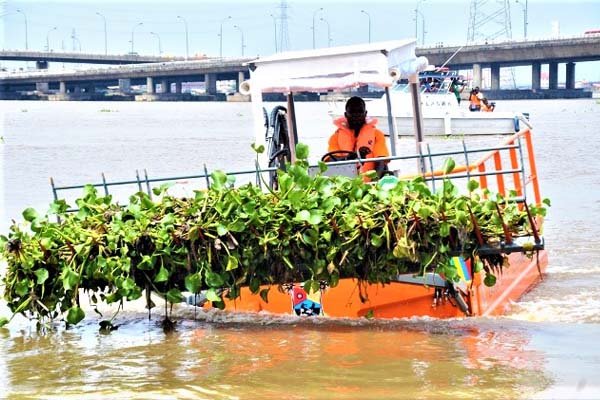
(336, 68)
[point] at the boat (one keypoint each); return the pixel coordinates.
(408, 295)
(442, 113)
(507, 168)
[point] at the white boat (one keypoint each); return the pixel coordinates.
(441, 112)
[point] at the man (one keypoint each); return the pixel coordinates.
(475, 99)
(454, 88)
(360, 136)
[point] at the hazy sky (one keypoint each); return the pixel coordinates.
(445, 21)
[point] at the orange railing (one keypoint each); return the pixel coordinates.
(484, 171)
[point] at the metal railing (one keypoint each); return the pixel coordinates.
(491, 165)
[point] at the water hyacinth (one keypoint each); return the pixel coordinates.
(313, 229)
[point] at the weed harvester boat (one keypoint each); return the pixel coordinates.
(480, 279)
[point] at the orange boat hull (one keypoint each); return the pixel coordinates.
(398, 300)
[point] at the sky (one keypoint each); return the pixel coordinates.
(338, 23)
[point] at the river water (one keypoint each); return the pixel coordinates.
(546, 347)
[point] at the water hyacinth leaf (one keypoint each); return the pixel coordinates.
(29, 214)
(472, 185)
(22, 287)
(193, 283)
(174, 296)
(219, 180)
(489, 280)
(322, 166)
(303, 215)
(315, 217)
(162, 188)
(302, 151)
(232, 263)
(221, 230)
(376, 241)
(75, 315)
(42, 275)
(258, 149)
(70, 279)
(58, 207)
(212, 295)
(214, 280)
(163, 275)
(264, 295)
(478, 266)
(449, 165)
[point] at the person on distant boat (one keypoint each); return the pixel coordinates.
(486, 105)
(456, 87)
(358, 136)
(475, 99)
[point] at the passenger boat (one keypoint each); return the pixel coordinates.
(442, 114)
(507, 168)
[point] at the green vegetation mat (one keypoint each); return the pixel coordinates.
(311, 229)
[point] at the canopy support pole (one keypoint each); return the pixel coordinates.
(391, 122)
(292, 129)
(417, 118)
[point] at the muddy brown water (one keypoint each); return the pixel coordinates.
(544, 348)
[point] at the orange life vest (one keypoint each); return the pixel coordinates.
(369, 137)
(475, 101)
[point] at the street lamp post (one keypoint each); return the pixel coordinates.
(328, 32)
(241, 33)
(26, 41)
(48, 38)
(221, 36)
(525, 23)
(313, 24)
(274, 30)
(132, 37)
(417, 18)
(105, 36)
(159, 45)
(368, 16)
(423, 31)
(187, 43)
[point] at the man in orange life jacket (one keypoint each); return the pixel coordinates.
(475, 99)
(359, 136)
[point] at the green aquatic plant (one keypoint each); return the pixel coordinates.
(313, 229)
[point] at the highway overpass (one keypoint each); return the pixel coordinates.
(518, 53)
(81, 84)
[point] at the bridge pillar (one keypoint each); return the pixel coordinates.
(42, 87)
(77, 89)
(570, 81)
(124, 85)
(477, 75)
(241, 78)
(536, 74)
(210, 83)
(91, 88)
(552, 75)
(150, 85)
(495, 69)
(178, 87)
(165, 86)
(62, 87)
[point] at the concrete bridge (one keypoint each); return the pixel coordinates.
(43, 57)
(83, 84)
(518, 53)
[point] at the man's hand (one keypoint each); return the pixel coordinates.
(364, 152)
